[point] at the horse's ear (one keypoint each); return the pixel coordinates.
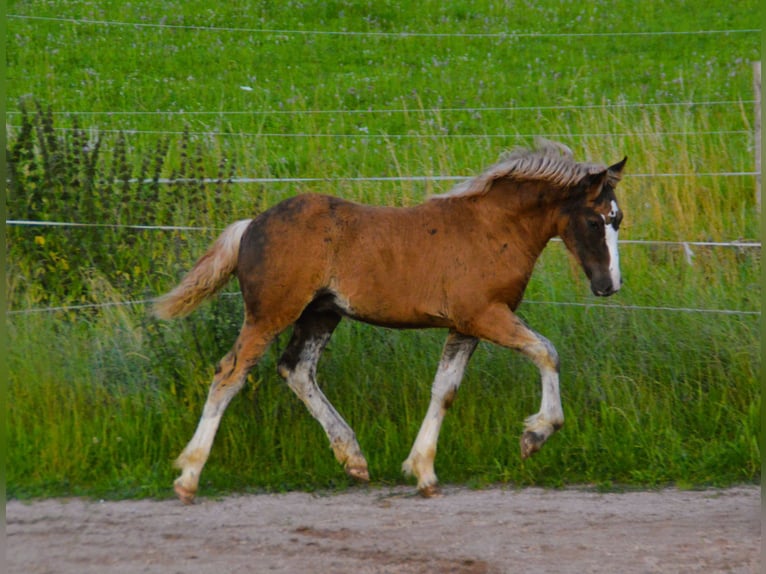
(615, 171)
(593, 184)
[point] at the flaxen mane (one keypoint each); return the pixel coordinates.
(549, 161)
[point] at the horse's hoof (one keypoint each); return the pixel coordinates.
(430, 491)
(184, 494)
(530, 444)
(359, 473)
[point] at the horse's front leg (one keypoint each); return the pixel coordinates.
(457, 351)
(500, 325)
(550, 418)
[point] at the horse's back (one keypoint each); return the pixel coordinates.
(372, 259)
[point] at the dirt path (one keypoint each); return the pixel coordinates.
(390, 531)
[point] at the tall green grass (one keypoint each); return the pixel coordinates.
(649, 397)
(101, 400)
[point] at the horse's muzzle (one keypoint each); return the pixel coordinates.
(605, 287)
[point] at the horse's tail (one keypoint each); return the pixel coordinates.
(209, 274)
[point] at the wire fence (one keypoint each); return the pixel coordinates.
(400, 35)
(141, 302)
(363, 134)
(686, 245)
(657, 242)
(511, 35)
(371, 111)
(393, 178)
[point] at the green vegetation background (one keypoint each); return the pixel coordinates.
(108, 102)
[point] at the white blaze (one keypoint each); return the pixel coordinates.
(611, 244)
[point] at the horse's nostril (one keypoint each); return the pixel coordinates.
(602, 288)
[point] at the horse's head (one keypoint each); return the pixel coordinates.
(590, 226)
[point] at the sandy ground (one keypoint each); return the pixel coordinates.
(372, 530)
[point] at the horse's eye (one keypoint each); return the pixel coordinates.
(594, 223)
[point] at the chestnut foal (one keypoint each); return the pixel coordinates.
(459, 261)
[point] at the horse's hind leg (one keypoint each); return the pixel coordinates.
(230, 376)
(457, 351)
(298, 366)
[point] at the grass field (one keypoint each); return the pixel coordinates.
(101, 400)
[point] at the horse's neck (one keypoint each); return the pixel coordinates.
(530, 209)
